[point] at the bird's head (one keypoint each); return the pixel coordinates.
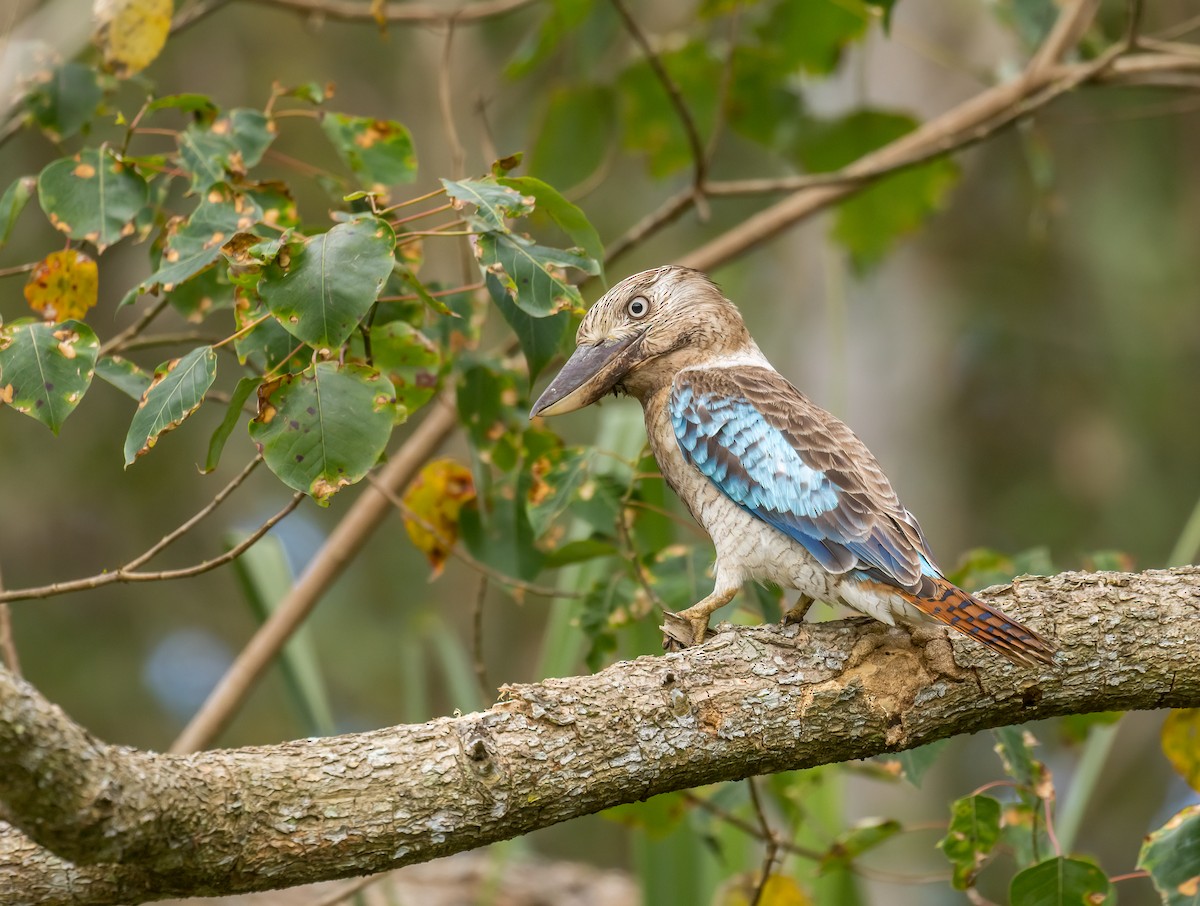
(640, 333)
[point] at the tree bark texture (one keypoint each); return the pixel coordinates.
(96, 823)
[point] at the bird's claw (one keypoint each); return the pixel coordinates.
(683, 630)
(798, 610)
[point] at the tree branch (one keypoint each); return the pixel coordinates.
(139, 826)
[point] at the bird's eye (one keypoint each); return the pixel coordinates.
(638, 307)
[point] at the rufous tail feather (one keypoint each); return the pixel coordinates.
(949, 604)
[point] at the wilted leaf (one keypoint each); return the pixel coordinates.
(380, 152)
(533, 276)
(64, 285)
(1060, 882)
(176, 391)
(1172, 856)
(435, 499)
(237, 400)
(570, 219)
(193, 244)
(973, 832)
(493, 202)
(869, 222)
(63, 100)
(123, 374)
(12, 202)
(212, 148)
(45, 369)
(1181, 743)
(92, 196)
(324, 429)
(409, 360)
(132, 33)
(331, 281)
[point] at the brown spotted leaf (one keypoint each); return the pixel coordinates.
(409, 359)
(45, 369)
(176, 391)
(434, 500)
(380, 152)
(1172, 856)
(131, 33)
(324, 428)
(64, 285)
(92, 196)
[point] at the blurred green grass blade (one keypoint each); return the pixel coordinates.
(1188, 545)
(455, 662)
(414, 687)
(265, 577)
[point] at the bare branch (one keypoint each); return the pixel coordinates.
(752, 700)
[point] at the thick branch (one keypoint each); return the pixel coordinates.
(750, 701)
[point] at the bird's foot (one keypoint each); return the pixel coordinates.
(685, 628)
(799, 610)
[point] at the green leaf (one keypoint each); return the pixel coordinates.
(331, 281)
(1015, 745)
(380, 152)
(1061, 882)
(866, 835)
(1172, 856)
(92, 196)
(45, 369)
(579, 552)
(486, 397)
(267, 346)
(973, 832)
(408, 359)
(1181, 743)
(123, 374)
(187, 103)
(650, 122)
(564, 16)
(230, 144)
(176, 391)
(12, 202)
(64, 101)
(570, 219)
(915, 762)
(237, 400)
(1076, 728)
(205, 292)
(324, 429)
(657, 816)
(575, 135)
(608, 603)
(810, 36)
(493, 202)
(870, 221)
(557, 486)
(762, 106)
(193, 244)
(531, 275)
(540, 338)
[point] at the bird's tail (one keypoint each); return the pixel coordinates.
(949, 604)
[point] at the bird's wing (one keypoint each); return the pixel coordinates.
(798, 468)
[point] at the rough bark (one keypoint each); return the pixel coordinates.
(105, 824)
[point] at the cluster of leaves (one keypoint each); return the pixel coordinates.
(331, 327)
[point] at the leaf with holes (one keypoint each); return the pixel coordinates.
(132, 33)
(324, 428)
(45, 369)
(330, 281)
(233, 143)
(1061, 882)
(63, 285)
(1172, 856)
(92, 196)
(973, 832)
(408, 359)
(533, 276)
(176, 391)
(380, 152)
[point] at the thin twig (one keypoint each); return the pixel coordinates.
(352, 11)
(422, 214)
(478, 661)
(699, 158)
(117, 343)
(747, 828)
(453, 291)
(18, 269)
(8, 645)
(769, 836)
(127, 576)
(346, 891)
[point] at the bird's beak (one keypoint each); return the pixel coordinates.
(590, 373)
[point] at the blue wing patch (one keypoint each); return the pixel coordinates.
(762, 469)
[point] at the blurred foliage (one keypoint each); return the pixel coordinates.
(278, 239)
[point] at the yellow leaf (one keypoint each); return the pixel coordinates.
(63, 285)
(1181, 743)
(780, 890)
(131, 33)
(433, 501)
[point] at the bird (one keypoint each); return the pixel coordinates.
(786, 491)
